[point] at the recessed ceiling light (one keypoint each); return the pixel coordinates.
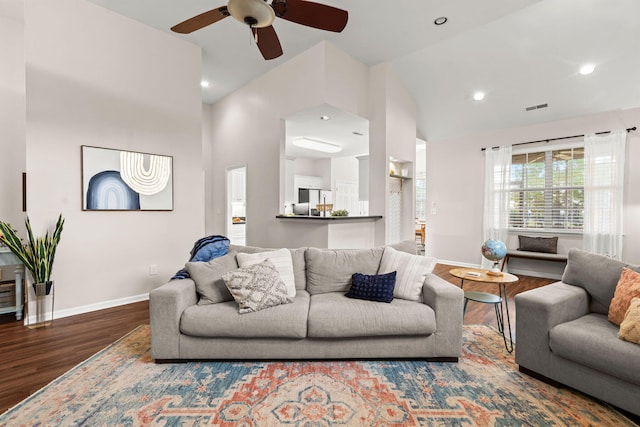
(441, 20)
(204, 83)
(478, 96)
(317, 145)
(325, 118)
(587, 69)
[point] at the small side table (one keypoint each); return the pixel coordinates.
(477, 275)
(13, 264)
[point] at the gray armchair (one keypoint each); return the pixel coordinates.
(563, 334)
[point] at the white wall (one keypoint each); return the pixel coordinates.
(344, 169)
(12, 112)
(455, 179)
(94, 77)
(392, 119)
(247, 128)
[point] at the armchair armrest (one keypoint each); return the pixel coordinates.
(166, 305)
(447, 301)
(537, 312)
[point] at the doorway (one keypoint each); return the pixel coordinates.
(236, 218)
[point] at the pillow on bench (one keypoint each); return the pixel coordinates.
(548, 245)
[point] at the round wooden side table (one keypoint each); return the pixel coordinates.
(478, 275)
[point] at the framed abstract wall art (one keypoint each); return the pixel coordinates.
(119, 180)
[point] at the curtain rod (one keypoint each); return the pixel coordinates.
(557, 139)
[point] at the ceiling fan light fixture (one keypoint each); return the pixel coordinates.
(255, 13)
(317, 145)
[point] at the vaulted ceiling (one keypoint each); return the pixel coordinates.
(520, 53)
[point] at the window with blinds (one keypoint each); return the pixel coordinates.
(547, 190)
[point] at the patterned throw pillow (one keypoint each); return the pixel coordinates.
(411, 272)
(281, 259)
(628, 287)
(257, 287)
(372, 288)
(630, 326)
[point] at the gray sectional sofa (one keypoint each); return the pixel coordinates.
(321, 322)
(563, 333)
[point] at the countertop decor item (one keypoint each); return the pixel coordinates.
(340, 212)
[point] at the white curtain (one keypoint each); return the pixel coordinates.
(496, 196)
(604, 158)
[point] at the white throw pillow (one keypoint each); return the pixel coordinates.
(282, 261)
(257, 287)
(411, 272)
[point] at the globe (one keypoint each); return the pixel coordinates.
(494, 250)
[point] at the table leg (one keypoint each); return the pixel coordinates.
(466, 301)
(503, 296)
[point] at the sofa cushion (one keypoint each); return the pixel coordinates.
(628, 287)
(208, 278)
(281, 259)
(412, 270)
(299, 267)
(597, 274)
(332, 315)
(223, 320)
(592, 341)
(372, 288)
(330, 270)
(257, 287)
(630, 326)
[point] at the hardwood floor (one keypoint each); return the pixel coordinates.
(484, 314)
(31, 358)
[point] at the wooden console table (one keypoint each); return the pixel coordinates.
(11, 269)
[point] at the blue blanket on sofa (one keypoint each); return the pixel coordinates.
(204, 250)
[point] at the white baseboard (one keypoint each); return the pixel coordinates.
(458, 264)
(540, 274)
(58, 314)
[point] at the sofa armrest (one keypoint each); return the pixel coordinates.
(447, 301)
(166, 305)
(537, 312)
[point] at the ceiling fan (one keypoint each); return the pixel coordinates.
(259, 16)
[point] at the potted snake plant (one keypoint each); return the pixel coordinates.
(37, 254)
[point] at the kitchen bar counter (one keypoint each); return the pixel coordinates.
(333, 232)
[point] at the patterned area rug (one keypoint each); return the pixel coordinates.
(121, 386)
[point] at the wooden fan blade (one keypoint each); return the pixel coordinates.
(268, 42)
(315, 15)
(201, 21)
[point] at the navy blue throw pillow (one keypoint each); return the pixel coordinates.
(372, 288)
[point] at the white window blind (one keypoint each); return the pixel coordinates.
(547, 190)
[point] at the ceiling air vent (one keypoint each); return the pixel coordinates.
(536, 107)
